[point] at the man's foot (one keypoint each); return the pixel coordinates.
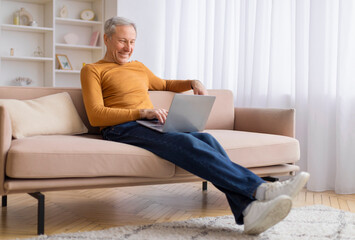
(261, 215)
(290, 187)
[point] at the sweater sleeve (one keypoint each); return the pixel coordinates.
(98, 114)
(158, 84)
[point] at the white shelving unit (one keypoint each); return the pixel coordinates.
(48, 37)
(25, 40)
(80, 52)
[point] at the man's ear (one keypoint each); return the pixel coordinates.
(105, 39)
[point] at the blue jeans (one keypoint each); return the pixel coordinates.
(198, 153)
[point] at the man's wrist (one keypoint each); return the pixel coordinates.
(142, 113)
(192, 83)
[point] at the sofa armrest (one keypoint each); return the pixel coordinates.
(265, 120)
(5, 143)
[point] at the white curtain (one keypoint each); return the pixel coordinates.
(270, 53)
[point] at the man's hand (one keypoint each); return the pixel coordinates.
(198, 88)
(159, 114)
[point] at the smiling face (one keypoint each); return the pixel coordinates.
(120, 45)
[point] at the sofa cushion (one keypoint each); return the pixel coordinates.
(257, 149)
(52, 114)
(64, 156)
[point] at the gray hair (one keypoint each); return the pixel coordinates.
(112, 23)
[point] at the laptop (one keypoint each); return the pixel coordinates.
(187, 113)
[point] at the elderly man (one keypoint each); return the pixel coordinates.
(115, 92)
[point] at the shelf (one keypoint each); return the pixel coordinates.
(90, 1)
(49, 37)
(31, 59)
(67, 71)
(32, 1)
(78, 47)
(24, 28)
(78, 22)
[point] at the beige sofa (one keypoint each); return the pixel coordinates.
(259, 139)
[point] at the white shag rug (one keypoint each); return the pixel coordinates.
(312, 222)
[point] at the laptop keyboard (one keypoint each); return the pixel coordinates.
(156, 124)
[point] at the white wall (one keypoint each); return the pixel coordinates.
(110, 8)
(150, 21)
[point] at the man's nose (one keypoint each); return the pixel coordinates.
(128, 46)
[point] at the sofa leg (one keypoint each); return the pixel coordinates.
(40, 224)
(4, 201)
(270, 179)
(204, 186)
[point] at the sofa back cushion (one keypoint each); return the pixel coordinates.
(48, 115)
(25, 93)
(221, 117)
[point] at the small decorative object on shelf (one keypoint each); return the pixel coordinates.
(22, 17)
(94, 38)
(63, 13)
(64, 63)
(12, 52)
(38, 52)
(33, 23)
(16, 20)
(71, 38)
(87, 14)
(23, 81)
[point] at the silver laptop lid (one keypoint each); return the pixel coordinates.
(188, 113)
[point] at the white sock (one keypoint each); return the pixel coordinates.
(260, 192)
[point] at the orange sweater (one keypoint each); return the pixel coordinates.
(113, 93)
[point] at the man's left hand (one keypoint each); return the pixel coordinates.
(198, 88)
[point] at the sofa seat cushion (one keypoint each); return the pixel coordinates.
(257, 149)
(61, 156)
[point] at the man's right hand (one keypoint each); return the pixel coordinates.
(159, 114)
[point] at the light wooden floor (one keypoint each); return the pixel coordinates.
(86, 210)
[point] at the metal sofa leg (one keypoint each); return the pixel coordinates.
(40, 224)
(4, 201)
(204, 186)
